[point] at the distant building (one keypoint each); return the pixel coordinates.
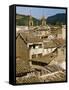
(30, 21)
(43, 21)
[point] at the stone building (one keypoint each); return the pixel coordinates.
(43, 21)
(30, 21)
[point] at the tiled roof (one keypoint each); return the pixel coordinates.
(30, 39)
(54, 77)
(49, 44)
(56, 31)
(53, 68)
(54, 43)
(22, 66)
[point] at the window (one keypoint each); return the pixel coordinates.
(30, 46)
(34, 56)
(34, 46)
(46, 37)
(39, 55)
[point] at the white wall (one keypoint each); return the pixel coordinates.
(47, 51)
(4, 45)
(35, 51)
(38, 50)
(21, 28)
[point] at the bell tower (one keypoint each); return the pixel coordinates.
(30, 21)
(43, 21)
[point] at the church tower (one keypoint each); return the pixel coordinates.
(43, 21)
(30, 21)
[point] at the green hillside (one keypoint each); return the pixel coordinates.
(56, 19)
(23, 20)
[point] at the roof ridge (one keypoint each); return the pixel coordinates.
(22, 38)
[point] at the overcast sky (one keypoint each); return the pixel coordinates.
(38, 12)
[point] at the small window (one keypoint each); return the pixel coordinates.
(46, 37)
(39, 55)
(34, 56)
(34, 46)
(30, 46)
